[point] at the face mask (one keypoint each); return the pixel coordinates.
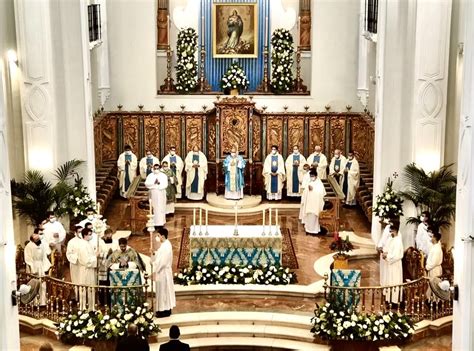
(351, 158)
(172, 153)
(149, 156)
(52, 220)
(128, 152)
(313, 179)
(233, 154)
(90, 217)
(165, 168)
(274, 152)
(296, 152)
(337, 156)
(156, 171)
(38, 243)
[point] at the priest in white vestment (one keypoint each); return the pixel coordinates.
(162, 268)
(176, 165)
(156, 183)
(274, 174)
(37, 262)
(393, 255)
(127, 170)
(234, 166)
(434, 260)
(72, 254)
(294, 173)
(87, 271)
(54, 232)
(318, 161)
(196, 174)
(423, 237)
(146, 164)
(89, 221)
(337, 166)
(304, 184)
(107, 245)
(351, 179)
(313, 203)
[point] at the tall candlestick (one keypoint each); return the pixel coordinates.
(200, 217)
(276, 217)
(203, 30)
(263, 221)
(151, 207)
(98, 208)
(194, 217)
(298, 32)
(169, 28)
(266, 31)
(270, 218)
(207, 217)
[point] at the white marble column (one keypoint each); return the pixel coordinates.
(9, 331)
(463, 323)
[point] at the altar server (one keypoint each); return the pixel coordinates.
(87, 272)
(146, 164)
(37, 262)
(423, 238)
(196, 174)
(313, 203)
(72, 254)
(393, 255)
(234, 166)
(294, 173)
(127, 170)
(156, 183)
(171, 189)
(337, 166)
(162, 266)
(304, 184)
(107, 245)
(176, 165)
(380, 246)
(54, 232)
(90, 222)
(274, 174)
(318, 161)
(434, 260)
(351, 179)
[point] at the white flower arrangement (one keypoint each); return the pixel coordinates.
(99, 225)
(282, 61)
(235, 78)
(94, 325)
(234, 274)
(332, 322)
(79, 200)
(388, 204)
(186, 67)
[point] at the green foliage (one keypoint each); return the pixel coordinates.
(282, 61)
(34, 196)
(433, 191)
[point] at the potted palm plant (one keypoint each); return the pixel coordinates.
(342, 247)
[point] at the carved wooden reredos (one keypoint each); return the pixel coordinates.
(233, 121)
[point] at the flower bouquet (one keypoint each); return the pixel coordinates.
(235, 78)
(341, 246)
(282, 61)
(79, 199)
(388, 205)
(99, 225)
(186, 67)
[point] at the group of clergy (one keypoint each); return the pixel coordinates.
(391, 250)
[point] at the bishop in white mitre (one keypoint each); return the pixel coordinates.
(37, 262)
(87, 270)
(313, 203)
(337, 166)
(304, 184)
(72, 254)
(351, 179)
(146, 164)
(294, 173)
(156, 183)
(274, 174)
(196, 174)
(318, 161)
(163, 268)
(176, 164)
(127, 170)
(393, 255)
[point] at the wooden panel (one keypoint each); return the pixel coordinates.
(97, 144)
(109, 138)
(274, 133)
(316, 133)
(295, 133)
(193, 133)
(152, 134)
(362, 140)
(173, 134)
(337, 134)
(257, 138)
(130, 133)
(234, 130)
(211, 137)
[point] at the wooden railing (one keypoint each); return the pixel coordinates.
(58, 298)
(412, 297)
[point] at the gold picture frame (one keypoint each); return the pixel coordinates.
(235, 30)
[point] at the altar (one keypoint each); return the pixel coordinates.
(217, 244)
(125, 278)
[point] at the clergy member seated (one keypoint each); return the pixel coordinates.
(146, 164)
(156, 183)
(125, 257)
(127, 170)
(423, 238)
(174, 344)
(234, 166)
(274, 174)
(318, 161)
(393, 255)
(171, 189)
(196, 174)
(351, 179)
(176, 165)
(337, 166)
(313, 203)
(294, 173)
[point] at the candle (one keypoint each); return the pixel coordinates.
(270, 218)
(263, 221)
(276, 217)
(266, 31)
(207, 217)
(194, 217)
(169, 28)
(98, 208)
(151, 207)
(200, 217)
(298, 32)
(203, 30)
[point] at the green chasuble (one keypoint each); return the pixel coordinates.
(171, 189)
(129, 255)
